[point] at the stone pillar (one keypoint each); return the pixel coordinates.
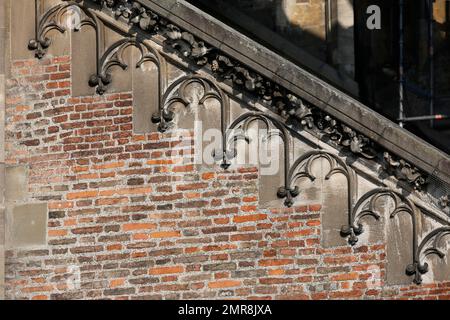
(344, 56)
(4, 57)
(318, 26)
(302, 22)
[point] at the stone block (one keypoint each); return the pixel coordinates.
(83, 61)
(335, 210)
(16, 182)
(146, 98)
(2, 115)
(2, 182)
(27, 225)
(399, 249)
(22, 22)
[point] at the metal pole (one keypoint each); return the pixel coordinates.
(431, 53)
(328, 28)
(401, 113)
(426, 118)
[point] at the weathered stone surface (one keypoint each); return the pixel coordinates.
(2, 182)
(16, 180)
(146, 103)
(399, 255)
(83, 61)
(122, 79)
(271, 168)
(27, 225)
(22, 22)
(335, 209)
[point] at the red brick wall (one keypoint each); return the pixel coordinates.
(131, 217)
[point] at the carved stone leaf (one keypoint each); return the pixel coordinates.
(173, 32)
(444, 201)
(199, 50)
(189, 38)
(147, 23)
(356, 145)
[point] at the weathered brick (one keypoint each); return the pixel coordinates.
(166, 270)
(119, 291)
(220, 266)
(165, 234)
(87, 230)
(224, 284)
(249, 218)
(138, 226)
(82, 195)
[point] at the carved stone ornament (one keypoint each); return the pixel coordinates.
(224, 68)
(404, 171)
(281, 101)
(444, 201)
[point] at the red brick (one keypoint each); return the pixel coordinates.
(166, 270)
(165, 234)
(224, 284)
(82, 195)
(249, 218)
(275, 262)
(138, 226)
